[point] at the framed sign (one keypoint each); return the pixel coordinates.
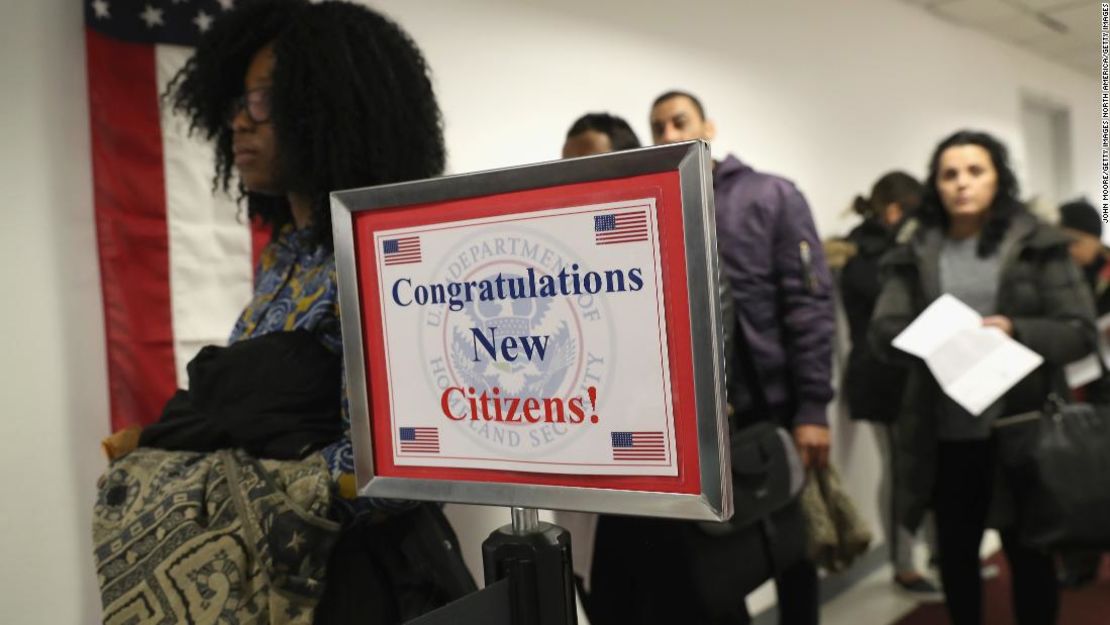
(542, 336)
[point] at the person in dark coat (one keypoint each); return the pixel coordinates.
(622, 539)
(873, 389)
(974, 240)
(773, 263)
(1083, 223)
(638, 565)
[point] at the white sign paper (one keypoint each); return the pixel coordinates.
(529, 342)
(974, 365)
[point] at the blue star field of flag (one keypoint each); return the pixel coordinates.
(179, 22)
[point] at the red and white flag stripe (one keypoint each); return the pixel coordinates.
(176, 262)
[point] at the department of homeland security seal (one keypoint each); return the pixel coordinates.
(571, 350)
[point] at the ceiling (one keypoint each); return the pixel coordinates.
(1064, 31)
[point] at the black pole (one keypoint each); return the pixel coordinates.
(529, 579)
(535, 558)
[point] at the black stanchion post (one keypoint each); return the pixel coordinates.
(529, 579)
(535, 558)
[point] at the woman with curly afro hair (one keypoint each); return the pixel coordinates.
(304, 99)
(299, 99)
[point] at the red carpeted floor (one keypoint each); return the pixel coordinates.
(1089, 605)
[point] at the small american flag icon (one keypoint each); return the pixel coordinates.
(614, 228)
(420, 440)
(401, 251)
(638, 446)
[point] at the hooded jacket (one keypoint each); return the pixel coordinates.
(773, 261)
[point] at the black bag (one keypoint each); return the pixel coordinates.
(391, 570)
(715, 564)
(767, 474)
(767, 532)
(728, 567)
(275, 396)
(1061, 466)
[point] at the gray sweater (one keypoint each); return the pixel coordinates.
(974, 281)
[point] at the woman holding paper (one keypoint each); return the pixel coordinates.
(974, 240)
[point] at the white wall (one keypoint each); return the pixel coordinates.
(830, 97)
(828, 94)
(52, 362)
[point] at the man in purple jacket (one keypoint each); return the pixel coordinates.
(773, 260)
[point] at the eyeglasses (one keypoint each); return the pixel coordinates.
(256, 102)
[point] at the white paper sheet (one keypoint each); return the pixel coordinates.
(1088, 369)
(936, 324)
(1104, 339)
(974, 365)
(1083, 371)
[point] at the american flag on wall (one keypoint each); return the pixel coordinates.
(613, 228)
(420, 440)
(401, 251)
(638, 446)
(175, 260)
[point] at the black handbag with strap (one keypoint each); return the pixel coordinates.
(1059, 461)
(767, 474)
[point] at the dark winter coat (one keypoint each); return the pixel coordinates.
(872, 388)
(1042, 293)
(1098, 279)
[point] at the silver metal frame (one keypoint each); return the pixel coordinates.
(692, 161)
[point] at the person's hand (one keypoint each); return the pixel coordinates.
(1001, 322)
(813, 445)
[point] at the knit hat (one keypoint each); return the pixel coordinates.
(1082, 216)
